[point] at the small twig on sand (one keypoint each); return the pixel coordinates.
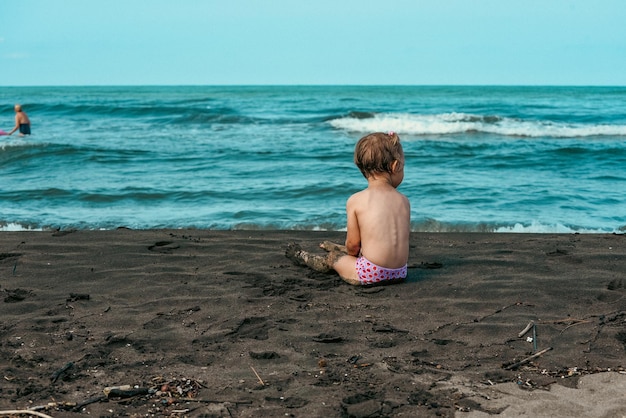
(24, 412)
(55, 376)
(89, 401)
(527, 359)
(214, 401)
(525, 330)
(571, 325)
(257, 376)
(567, 320)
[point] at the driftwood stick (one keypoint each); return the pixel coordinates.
(124, 392)
(527, 359)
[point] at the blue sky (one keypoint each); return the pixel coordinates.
(210, 42)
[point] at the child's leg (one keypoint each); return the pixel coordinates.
(342, 263)
(316, 262)
(345, 265)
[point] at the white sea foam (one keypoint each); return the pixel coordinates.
(9, 142)
(539, 228)
(15, 227)
(451, 123)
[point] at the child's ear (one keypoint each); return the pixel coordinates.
(394, 166)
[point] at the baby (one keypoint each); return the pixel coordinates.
(378, 220)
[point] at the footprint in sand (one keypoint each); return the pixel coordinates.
(615, 284)
(163, 247)
(4, 256)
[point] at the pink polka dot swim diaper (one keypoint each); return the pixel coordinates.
(370, 273)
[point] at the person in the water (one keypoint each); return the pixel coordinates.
(22, 122)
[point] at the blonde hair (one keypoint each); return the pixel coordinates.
(376, 152)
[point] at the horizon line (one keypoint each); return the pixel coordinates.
(312, 85)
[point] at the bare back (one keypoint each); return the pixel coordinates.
(21, 118)
(382, 217)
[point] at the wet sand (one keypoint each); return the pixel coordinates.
(220, 324)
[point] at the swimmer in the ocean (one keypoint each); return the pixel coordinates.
(22, 123)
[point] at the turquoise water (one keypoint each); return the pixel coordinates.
(526, 159)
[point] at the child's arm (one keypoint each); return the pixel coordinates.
(353, 235)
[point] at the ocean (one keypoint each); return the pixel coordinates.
(488, 159)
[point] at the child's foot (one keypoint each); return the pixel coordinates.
(331, 246)
(295, 253)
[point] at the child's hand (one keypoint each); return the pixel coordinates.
(331, 246)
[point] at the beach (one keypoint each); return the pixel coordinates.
(209, 323)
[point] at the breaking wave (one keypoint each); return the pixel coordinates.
(458, 123)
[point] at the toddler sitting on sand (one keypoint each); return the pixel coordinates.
(378, 220)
